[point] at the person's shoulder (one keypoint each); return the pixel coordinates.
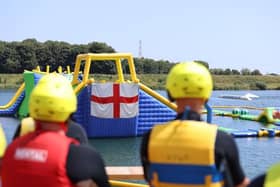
(83, 163)
(224, 138)
(74, 125)
(77, 132)
(83, 155)
(83, 151)
(145, 140)
(224, 134)
(146, 135)
(82, 147)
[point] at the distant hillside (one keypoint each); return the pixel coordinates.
(157, 81)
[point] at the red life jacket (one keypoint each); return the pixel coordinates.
(37, 159)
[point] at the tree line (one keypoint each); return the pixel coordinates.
(15, 57)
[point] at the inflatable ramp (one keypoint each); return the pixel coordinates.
(18, 105)
(13, 108)
(116, 108)
(152, 112)
(104, 114)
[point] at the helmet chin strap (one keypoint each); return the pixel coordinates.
(170, 97)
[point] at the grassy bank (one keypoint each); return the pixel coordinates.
(10, 80)
(250, 82)
(157, 81)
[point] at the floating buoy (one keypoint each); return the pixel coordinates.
(237, 111)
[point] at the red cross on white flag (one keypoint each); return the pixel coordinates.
(113, 100)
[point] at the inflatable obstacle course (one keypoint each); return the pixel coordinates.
(113, 109)
(263, 132)
(18, 105)
(117, 108)
(105, 109)
(265, 117)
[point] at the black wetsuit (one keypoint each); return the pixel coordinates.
(258, 181)
(83, 161)
(225, 152)
(77, 132)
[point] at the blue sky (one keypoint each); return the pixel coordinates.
(232, 34)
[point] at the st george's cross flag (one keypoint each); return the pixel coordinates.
(114, 100)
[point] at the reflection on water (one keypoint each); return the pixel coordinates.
(256, 154)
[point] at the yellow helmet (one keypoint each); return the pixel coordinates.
(53, 99)
(3, 142)
(189, 80)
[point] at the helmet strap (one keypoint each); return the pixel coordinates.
(209, 112)
(170, 97)
(186, 113)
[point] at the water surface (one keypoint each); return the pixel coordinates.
(256, 154)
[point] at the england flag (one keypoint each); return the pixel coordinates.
(114, 100)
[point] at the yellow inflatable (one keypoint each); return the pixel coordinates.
(3, 142)
(27, 126)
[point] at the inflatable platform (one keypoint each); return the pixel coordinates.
(115, 108)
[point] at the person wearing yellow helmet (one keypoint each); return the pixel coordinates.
(56, 160)
(188, 151)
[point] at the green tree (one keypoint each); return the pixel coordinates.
(147, 65)
(203, 63)
(245, 71)
(139, 65)
(164, 66)
(9, 59)
(256, 72)
(227, 71)
(261, 85)
(26, 56)
(217, 71)
(105, 67)
(235, 72)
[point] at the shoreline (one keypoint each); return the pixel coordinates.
(157, 81)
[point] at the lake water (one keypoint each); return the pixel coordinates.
(256, 154)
